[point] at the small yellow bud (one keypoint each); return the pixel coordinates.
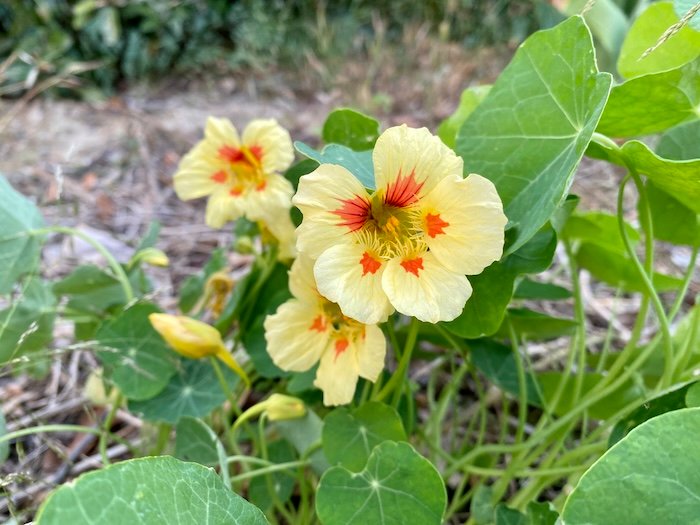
(194, 339)
(95, 391)
(152, 256)
(276, 407)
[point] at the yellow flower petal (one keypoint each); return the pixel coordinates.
(283, 230)
(296, 335)
(349, 275)
(424, 288)
(276, 144)
(371, 353)
(338, 373)
(409, 162)
(330, 199)
(223, 207)
(302, 283)
(195, 177)
(464, 223)
(220, 132)
(268, 201)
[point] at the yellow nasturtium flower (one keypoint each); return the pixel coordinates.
(408, 245)
(241, 175)
(309, 328)
(194, 339)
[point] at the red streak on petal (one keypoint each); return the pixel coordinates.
(354, 212)
(340, 346)
(435, 224)
(413, 265)
(261, 185)
(219, 177)
(403, 191)
(231, 154)
(319, 324)
(369, 264)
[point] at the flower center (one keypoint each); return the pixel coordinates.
(391, 231)
(242, 169)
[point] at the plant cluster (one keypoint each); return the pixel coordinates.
(407, 294)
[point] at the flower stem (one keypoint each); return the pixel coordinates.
(395, 382)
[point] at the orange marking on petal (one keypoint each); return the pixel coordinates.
(257, 151)
(340, 346)
(261, 185)
(354, 212)
(403, 191)
(369, 264)
(219, 177)
(231, 154)
(319, 324)
(413, 265)
(435, 224)
(236, 192)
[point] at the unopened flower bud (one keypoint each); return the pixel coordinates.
(194, 339)
(152, 256)
(276, 407)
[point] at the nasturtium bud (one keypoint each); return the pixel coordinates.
(217, 288)
(276, 407)
(152, 256)
(194, 339)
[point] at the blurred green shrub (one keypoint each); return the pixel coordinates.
(135, 39)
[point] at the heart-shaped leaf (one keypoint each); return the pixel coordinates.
(146, 491)
(397, 486)
(530, 132)
(349, 437)
(19, 247)
(350, 128)
(651, 476)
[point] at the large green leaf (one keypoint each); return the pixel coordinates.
(617, 269)
(19, 248)
(349, 437)
(678, 178)
(359, 163)
(148, 491)
(135, 356)
(534, 325)
(529, 289)
(649, 477)
(497, 363)
(195, 441)
(650, 408)
(598, 228)
(673, 221)
(27, 324)
(529, 133)
(468, 101)
(90, 289)
(398, 486)
(677, 50)
(350, 128)
(193, 391)
(652, 103)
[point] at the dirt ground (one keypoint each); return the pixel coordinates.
(107, 168)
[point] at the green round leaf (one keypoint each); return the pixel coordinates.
(27, 325)
(649, 477)
(19, 249)
(677, 50)
(193, 391)
(692, 397)
(349, 437)
(195, 441)
(135, 356)
(530, 132)
(350, 128)
(397, 487)
(148, 491)
(359, 163)
(468, 101)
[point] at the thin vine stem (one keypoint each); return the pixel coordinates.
(119, 272)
